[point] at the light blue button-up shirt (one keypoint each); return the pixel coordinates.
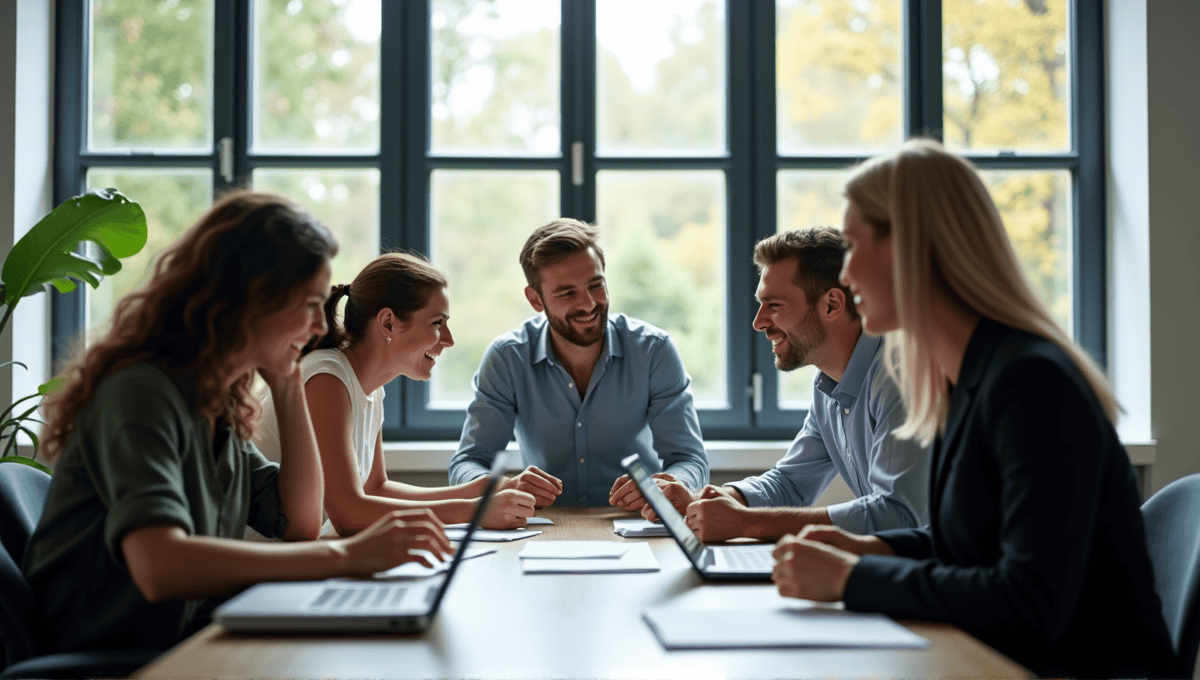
(848, 431)
(638, 400)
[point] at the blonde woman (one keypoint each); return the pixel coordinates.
(1036, 544)
(396, 322)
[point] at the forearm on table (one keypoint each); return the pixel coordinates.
(351, 515)
(401, 490)
(168, 564)
(771, 524)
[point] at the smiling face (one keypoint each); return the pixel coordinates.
(276, 340)
(785, 316)
(574, 296)
(867, 272)
(416, 343)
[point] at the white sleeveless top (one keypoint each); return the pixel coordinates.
(366, 413)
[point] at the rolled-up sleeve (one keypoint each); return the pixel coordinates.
(672, 418)
(898, 470)
(490, 417)
(798, 478)
(265, 511)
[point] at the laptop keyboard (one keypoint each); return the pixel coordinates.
(350, 598)
(749, 558)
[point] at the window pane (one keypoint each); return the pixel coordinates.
(316, 69)
(495, 77)
(660, 77)
(1005, 74)
(151, 75)
(807, 198)
(172, 201)
(839, 75)
(346, 201)
(663, 234)
(1036, 209)
(478, 223)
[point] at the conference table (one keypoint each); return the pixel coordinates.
(496, 622)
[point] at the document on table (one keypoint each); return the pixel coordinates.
(637, 528)
(573, 550)
(637, 559)
(756, 616)
(418, 570)
(529, 521)
(455, 532)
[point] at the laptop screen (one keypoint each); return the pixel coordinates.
(670, 517)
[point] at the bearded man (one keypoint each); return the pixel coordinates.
(810, 319)
(582, 389)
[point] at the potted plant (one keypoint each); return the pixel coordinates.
(47, 256)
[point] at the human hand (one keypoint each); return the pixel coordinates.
(716, 516)
(844, 540)
(509, 509)
(626, 495)
(283, 383)
(543, 486)
(811, 570)
(391, 540)
(675, 491)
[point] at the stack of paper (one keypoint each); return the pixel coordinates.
(587, 557)
(455, 532)
(638, 528)
(418, 570)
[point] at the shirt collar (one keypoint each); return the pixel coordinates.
(846, 391)
(542, 350)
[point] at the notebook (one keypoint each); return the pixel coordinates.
(342, 605)
(752, 562)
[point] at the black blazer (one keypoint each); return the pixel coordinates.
(1036, 544)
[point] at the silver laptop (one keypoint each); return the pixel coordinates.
(743, 562)
(350, 605)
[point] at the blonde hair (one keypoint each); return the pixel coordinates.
(949, 239)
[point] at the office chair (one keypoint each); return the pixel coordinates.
(1172, 518)
(22, 496)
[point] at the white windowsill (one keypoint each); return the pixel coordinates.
(430, 456)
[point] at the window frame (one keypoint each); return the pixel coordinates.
(750, 164)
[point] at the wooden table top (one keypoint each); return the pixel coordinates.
(499, 623)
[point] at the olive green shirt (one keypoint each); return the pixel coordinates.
(140, 454)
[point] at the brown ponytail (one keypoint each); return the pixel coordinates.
(401, 282)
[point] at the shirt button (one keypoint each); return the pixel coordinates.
(578, 424)
(846, 411)
(582, 460)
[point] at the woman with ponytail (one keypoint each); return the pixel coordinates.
(156, 479)
(395, 323)
(1035, 544)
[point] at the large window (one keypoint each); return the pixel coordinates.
(686, 129)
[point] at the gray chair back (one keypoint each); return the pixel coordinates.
(1172, 518)
(22, 496)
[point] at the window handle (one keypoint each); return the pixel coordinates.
(577, 164)
(225, 152)
(754, 391)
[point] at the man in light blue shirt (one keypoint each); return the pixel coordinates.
(581, 389)
(811, 319)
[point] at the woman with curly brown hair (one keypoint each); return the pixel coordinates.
(156, 478)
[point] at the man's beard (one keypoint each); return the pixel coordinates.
(562, 325)
(801, 341)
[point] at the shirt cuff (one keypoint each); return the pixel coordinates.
(135, 513)
(848, 516)
(754, 498)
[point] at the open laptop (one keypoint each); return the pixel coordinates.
(742, 562)
(340, 605)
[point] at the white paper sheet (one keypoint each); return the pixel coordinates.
(455, 532)
(530, 521)
(639, 558)
(638, 528)
(797, 626)
(418, 570)
(573, 550)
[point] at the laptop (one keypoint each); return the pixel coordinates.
(741, 562)
(343, 605)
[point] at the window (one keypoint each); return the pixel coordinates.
(454, 127)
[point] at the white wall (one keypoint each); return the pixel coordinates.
(26, 152)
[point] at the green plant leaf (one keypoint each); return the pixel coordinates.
(46, 255)
(14, 363)
(12, 406)
(50, 385)
(22, 460)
